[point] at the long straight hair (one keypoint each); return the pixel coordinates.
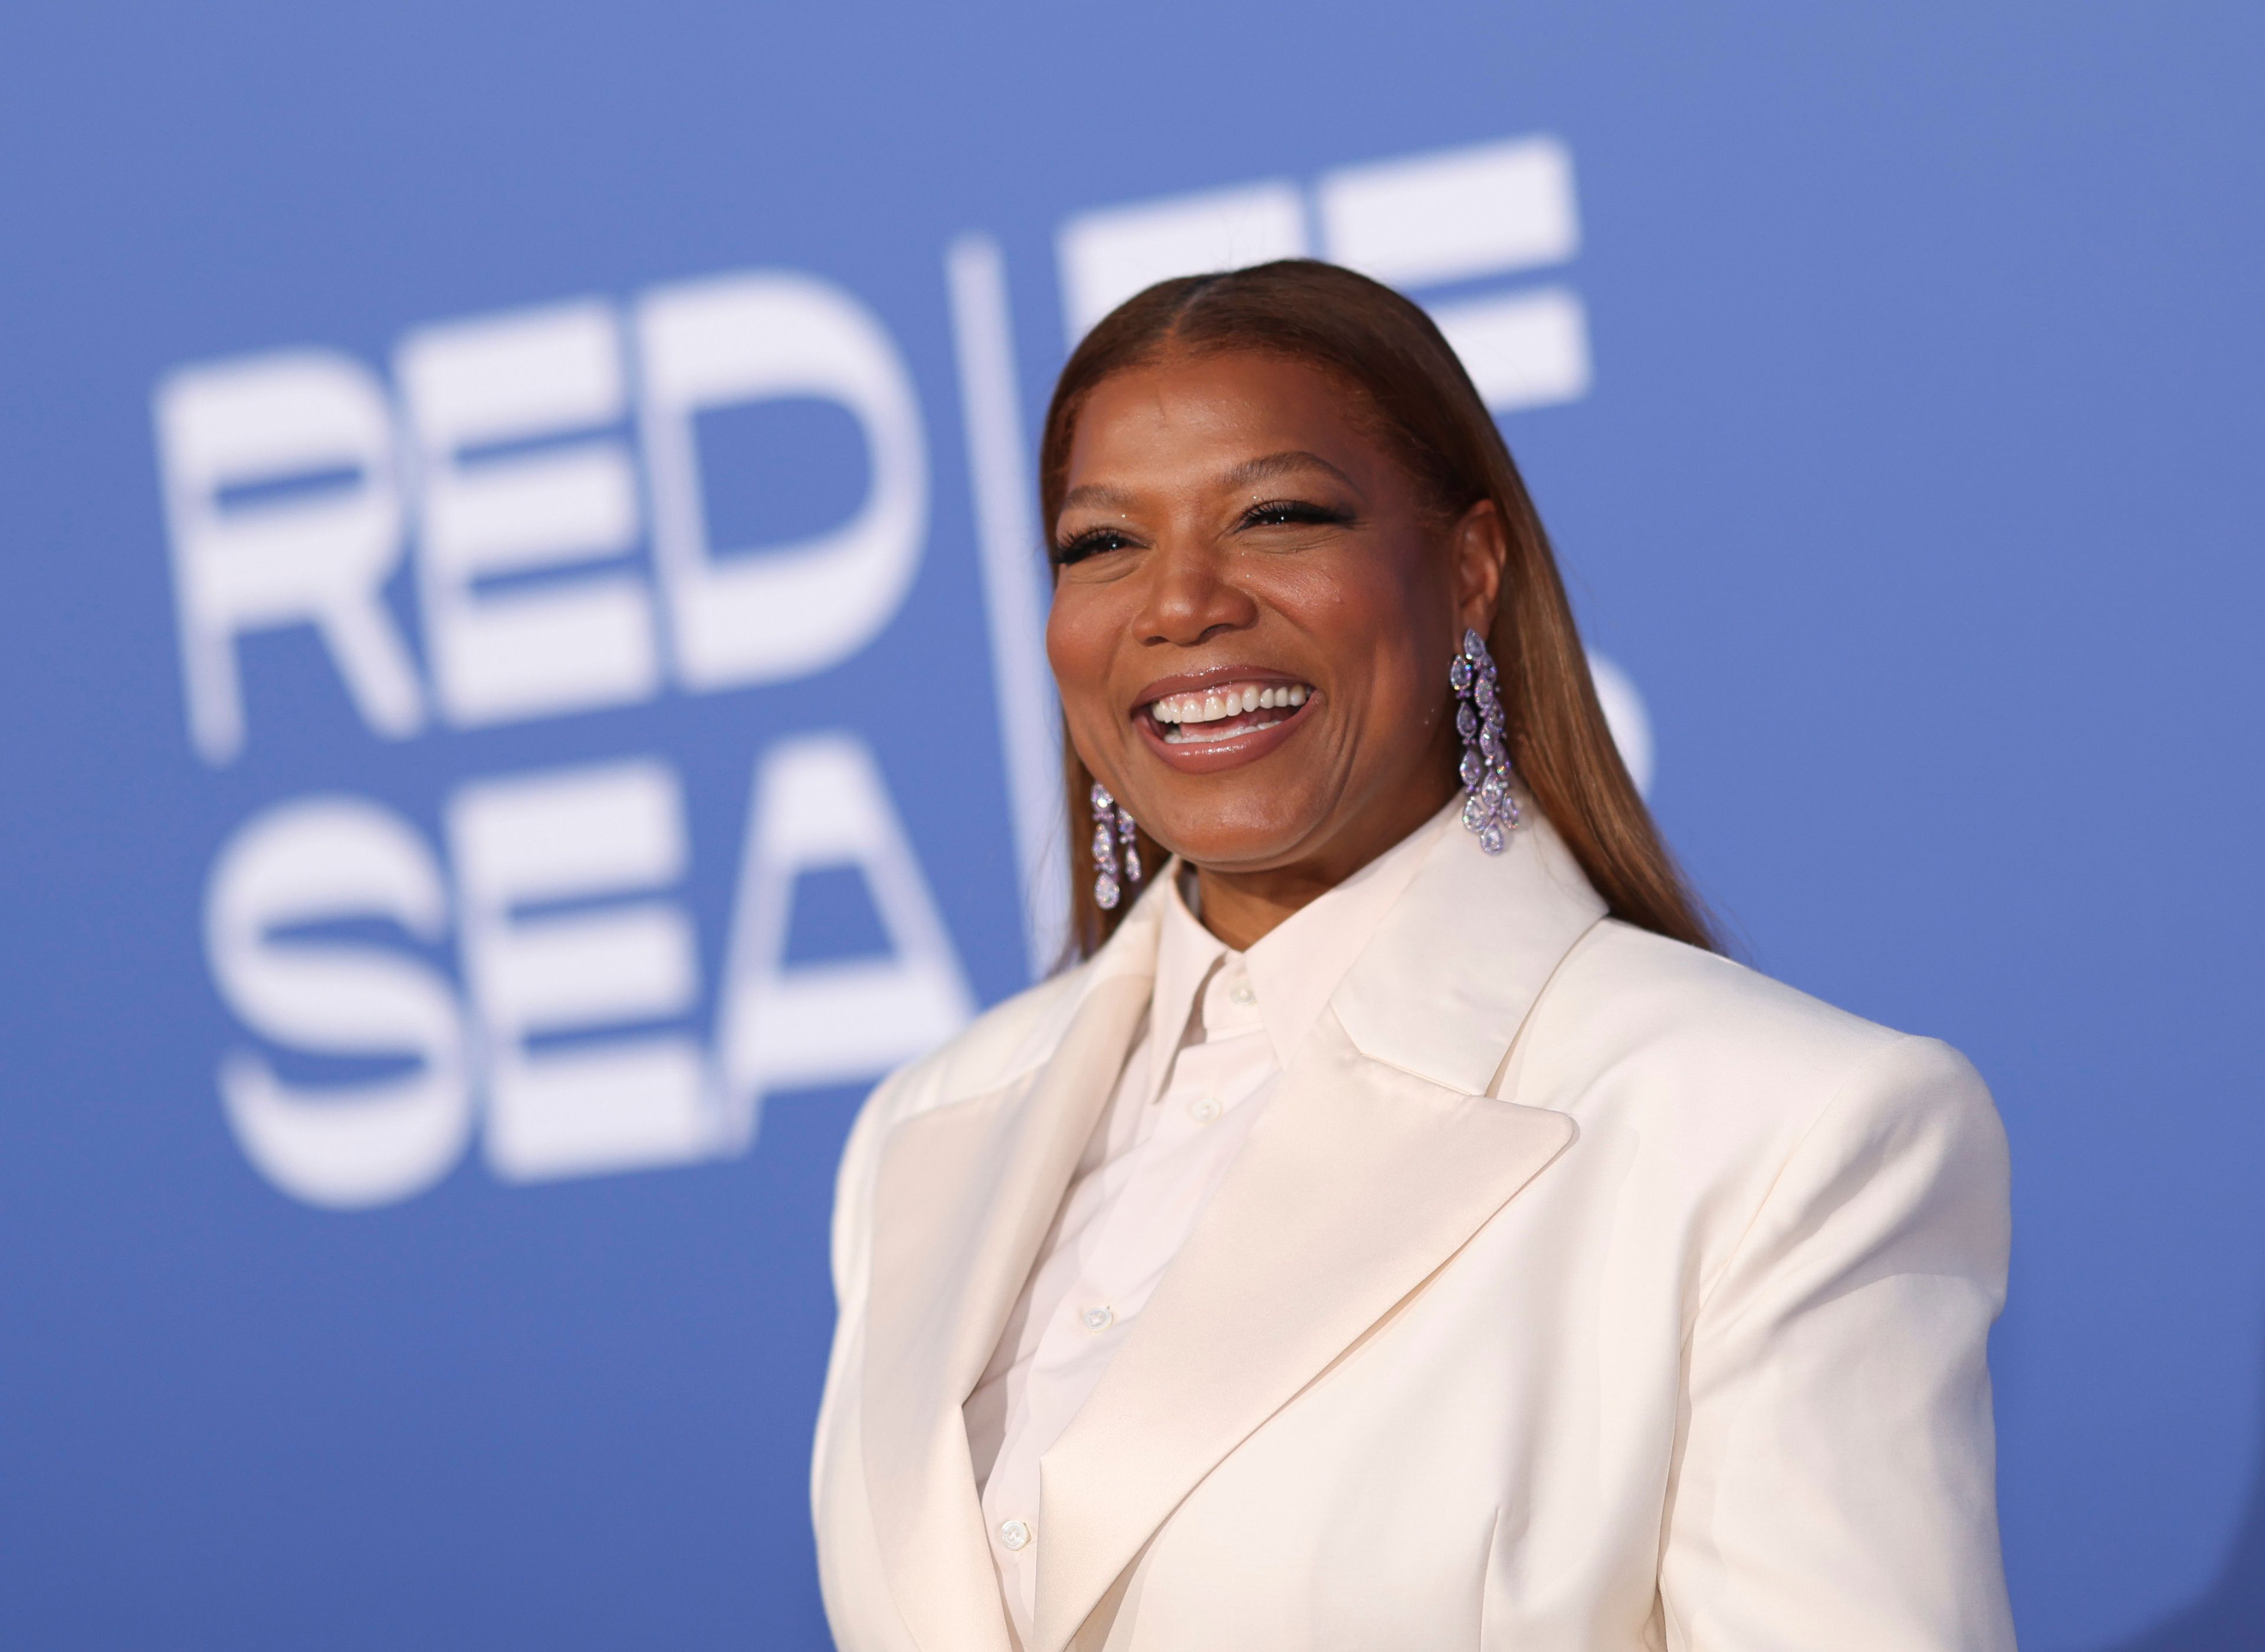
(1417, 396)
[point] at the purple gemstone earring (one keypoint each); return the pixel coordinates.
(1112, 827)
(1491, 809)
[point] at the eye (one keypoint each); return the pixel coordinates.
(1094, 540)
(1299, 513)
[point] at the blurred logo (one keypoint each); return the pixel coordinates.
(559, 567)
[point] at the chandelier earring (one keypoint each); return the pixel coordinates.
(1491, 811)
(1113, 830)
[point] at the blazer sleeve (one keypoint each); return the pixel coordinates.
(850, 1235)
(1834, 1483)
(851, 1580)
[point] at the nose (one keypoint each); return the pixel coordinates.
(1191, 597)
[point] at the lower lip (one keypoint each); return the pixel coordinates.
(1209, 757)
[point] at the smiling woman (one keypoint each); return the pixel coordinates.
(1397, 1229)
(1290, 460)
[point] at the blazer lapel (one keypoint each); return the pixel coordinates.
(963, 1200)
(1371, 1168)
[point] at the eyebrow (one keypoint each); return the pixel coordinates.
(1275, 464)
(1100, 495)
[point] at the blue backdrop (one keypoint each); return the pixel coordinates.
(518, 701)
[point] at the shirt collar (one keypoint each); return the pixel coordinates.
(1297, 965)
(1186, 953)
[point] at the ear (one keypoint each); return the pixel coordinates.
(1479, 550)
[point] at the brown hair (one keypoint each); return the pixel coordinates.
(1425, 407)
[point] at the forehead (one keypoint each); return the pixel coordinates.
(1189, 418)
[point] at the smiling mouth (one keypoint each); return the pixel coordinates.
(1209, 715)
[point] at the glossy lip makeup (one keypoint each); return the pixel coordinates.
(1203, 722)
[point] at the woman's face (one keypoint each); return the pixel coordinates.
(1254, 613)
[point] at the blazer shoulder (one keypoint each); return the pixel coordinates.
(1718, 1090)
(1629, 999)
(1006, 1041)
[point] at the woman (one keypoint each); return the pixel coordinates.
(1399, 1230)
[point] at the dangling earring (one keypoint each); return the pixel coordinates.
(1111, 826)
(1491, 809)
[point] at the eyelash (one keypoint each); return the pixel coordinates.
(1282, 512)
(1086, 544)
(1271, 514)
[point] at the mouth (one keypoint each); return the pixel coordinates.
(1219, 718)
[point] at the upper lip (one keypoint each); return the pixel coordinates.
(1212, 677)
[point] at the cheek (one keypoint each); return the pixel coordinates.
(1383, 626)
(1367, 613)
(1398, 687)
(1081, 638)
(1074, 641)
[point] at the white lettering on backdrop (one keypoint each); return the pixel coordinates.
(605, 833)
(797, 609)
(317, 556)
(566, 645)
(338, 860)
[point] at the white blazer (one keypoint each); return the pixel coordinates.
(1577, 1291)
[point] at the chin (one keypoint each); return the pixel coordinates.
(1237, 845)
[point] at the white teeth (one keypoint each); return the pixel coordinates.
(1236, 699)
(1199, 736)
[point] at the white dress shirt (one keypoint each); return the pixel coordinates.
(1221, 1027)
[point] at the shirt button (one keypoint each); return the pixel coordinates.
(1203, 1109)
(1240, 992)
(1014, 1533)
(1098, 1318)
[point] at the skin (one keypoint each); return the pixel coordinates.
(1225, 518)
